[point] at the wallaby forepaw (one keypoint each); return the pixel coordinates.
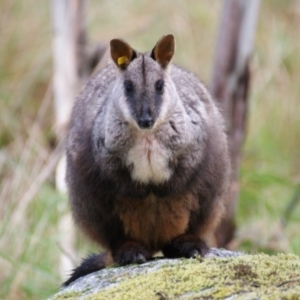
(131, 253)
(185, 246)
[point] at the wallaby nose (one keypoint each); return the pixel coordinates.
(145, 122)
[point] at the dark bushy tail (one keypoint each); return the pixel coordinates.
(92, 263)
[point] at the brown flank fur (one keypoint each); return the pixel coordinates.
(141, 220)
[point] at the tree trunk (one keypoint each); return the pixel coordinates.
(69, 43)
(69, 48)
(230, 87)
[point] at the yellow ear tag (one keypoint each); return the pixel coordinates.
(122, 60)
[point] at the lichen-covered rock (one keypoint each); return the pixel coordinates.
(222, 275)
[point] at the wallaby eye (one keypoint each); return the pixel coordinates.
(128, 85)
(159, 86)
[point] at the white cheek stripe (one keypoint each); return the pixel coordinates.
(149, 160)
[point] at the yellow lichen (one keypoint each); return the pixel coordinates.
(250, 276)
(68, 295)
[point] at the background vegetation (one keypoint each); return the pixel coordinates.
(30, 207)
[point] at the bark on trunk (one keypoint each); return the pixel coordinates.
(69, 43)
(230, 87)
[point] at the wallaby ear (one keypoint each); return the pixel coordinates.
(164, 50)
(121, 53)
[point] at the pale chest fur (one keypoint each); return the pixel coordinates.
(148, 160)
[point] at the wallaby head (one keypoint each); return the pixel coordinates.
(143, 87)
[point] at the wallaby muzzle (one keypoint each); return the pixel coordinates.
(145, 117)
(145, 121)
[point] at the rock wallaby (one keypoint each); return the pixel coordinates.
(147, 159)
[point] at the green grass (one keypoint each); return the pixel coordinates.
(271, 161)
(31, 208)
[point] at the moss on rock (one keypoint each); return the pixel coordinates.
(245, 277)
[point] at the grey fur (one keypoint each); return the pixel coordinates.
(188, 132)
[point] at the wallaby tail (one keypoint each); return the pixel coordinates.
(92, 263)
